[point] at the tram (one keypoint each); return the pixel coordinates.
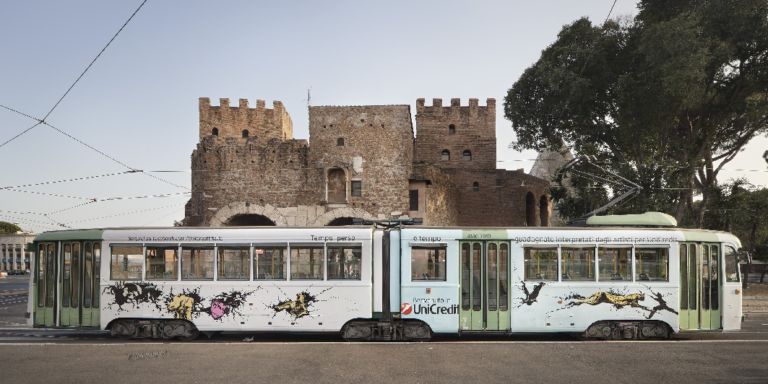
(631, 277)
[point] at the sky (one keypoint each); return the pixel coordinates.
(137, 105)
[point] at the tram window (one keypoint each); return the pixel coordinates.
(428, 263)
(270, 263)
(613, 263)
(503, 277)
(578, 264)
(731, 259)
(541, 264)
(651, 264)
(234, 263)
(344, 262)
(41, 271)
(161, 263)
(96, 273)
(87, 274)
(50, 281)
(197, 263)
(66, 284)
(126, 263)
(75, 275)
(307, 263)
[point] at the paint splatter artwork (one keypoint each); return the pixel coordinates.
(299, 307)
(184, 305)
(619, 301)
(187, 305)
(530, 296)
(133, 295)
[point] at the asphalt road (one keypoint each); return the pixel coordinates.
(13, 300)
(338, 362)
(62, 356)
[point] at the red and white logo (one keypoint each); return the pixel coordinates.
(406, 309)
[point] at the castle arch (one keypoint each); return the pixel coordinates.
(466, 155)
(451, 129)
(530, 210)
(544, 210)
(339, 221)
(445, 155)
(245, 133)
(249, 220)
(335, 216)
(241, 212)
(215, 131)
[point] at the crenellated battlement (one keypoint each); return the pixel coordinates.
(242, 121)
(456, 136)
(455, 107)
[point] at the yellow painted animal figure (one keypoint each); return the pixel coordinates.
(181, 306)
(631, 299)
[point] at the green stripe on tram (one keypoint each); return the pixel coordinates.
(484, 234)
(74, 234)
(700, 236)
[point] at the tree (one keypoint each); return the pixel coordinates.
(740, 208)
(665, 100)
(6, 227)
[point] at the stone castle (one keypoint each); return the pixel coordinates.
(361, 162)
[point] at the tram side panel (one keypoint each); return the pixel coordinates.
(551, 292)
(429, 278)
(251, 305)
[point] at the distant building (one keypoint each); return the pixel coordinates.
(14, 255)
(360, 162)
(547, 165)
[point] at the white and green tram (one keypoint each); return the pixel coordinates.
(630, 277)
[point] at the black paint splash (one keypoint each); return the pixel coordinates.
(227, 304)
(661, 306)
(530, 297)
(133, 294)
(299, 307)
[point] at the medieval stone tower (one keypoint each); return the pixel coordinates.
(360, 162)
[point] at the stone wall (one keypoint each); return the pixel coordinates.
(373, 145)
(259, 124)
(359, 162)
(456, 129)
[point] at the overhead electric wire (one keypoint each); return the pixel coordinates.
(96, 199)
(126, 213)
(94, 60)
(76, 80)
(68, 180)
(132, 169)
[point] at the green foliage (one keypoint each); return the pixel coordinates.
(742, 210)
(6, 227)
(664, 100)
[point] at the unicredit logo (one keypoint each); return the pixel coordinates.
(432, 309)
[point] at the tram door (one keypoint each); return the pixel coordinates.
(80, 284)
(700, 286)
(46, 273)
(484, 286)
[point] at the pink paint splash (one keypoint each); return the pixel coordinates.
(218, 309)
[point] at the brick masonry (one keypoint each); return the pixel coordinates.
(360, 162)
